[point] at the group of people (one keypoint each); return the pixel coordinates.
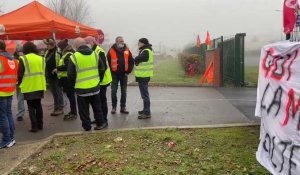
(82, 70)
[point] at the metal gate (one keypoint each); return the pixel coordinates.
(232, 58)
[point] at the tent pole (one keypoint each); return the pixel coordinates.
(54, 36)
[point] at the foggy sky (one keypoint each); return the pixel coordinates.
(177, 22)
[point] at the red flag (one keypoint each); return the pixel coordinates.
(290, 8)
(207, 40)
(198, 41)
(209, 75)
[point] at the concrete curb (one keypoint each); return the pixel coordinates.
(43, 142)
(148, 128)
(40, 144)
(169, 85)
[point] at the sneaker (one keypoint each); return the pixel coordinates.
(124, 111)
(67, 114)
(141, 112)
(11, 143)
(144, 116)
(104, 125)
(4, 145)
(20, 118)
(113, 110)
(70, 116)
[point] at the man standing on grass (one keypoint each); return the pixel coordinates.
(143, 74)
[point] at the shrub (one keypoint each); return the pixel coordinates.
(187, 59)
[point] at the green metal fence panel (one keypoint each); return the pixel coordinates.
(228, 58)
(233, 60)
(239, 59)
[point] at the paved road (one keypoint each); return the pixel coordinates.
(244, 99)
(171, 106)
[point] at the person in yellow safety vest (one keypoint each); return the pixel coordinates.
(32, 81)
(107, 79)
(143, 73)
(85, 73)
(8, 81)
(52, 57)
(66, 52)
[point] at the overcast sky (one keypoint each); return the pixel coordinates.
(177, 22)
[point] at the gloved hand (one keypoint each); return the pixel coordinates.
(54, 71)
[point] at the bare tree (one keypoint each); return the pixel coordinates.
(1, 7)
(76, 10)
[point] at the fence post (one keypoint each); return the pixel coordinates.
(220, 45)
(239, 57)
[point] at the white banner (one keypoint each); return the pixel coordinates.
(278, 102)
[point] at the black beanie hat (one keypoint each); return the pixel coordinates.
(49, 41)
(62, 44)
(144, 41)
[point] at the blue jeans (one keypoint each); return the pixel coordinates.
(21, 107)
(143, 86)
(56, 93)
(7, 126)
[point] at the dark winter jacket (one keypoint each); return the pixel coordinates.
(63, 81)
(121, 61)
(51, 63)
(85, 50)
(31, 95)
(142, 57)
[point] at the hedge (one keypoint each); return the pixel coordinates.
(187, 59)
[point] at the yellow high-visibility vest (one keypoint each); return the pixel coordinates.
(34, 76)
(145, 69)
(61, 62)
(107, 75)
(87, 70)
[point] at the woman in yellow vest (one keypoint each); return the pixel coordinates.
(143, 73)
(32, 81)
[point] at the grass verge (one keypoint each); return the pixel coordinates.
(169, 72)
(168, 151)
(251, 76)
